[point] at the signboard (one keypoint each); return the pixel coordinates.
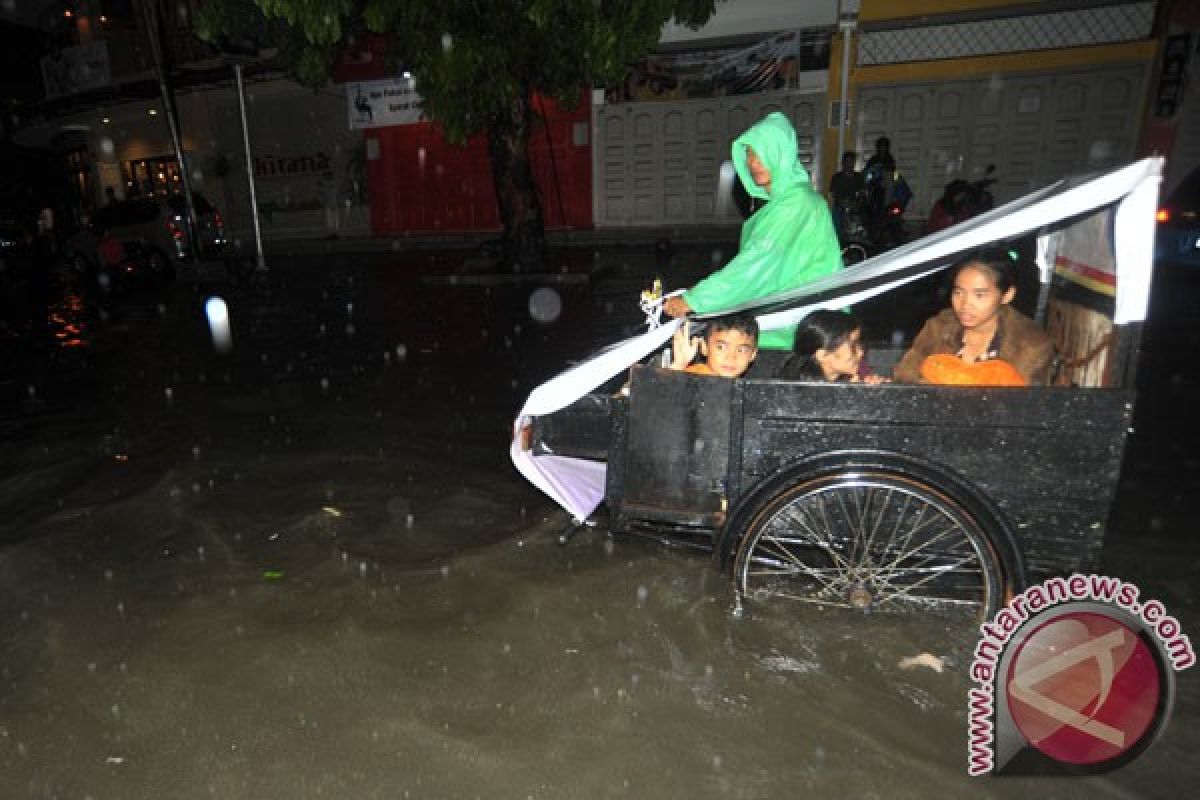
(377, 104)
(76, 69)
(1171, 80)
(769, 64)
(308, 167)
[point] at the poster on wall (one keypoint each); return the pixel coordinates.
(377, 104)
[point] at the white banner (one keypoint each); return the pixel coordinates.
(377, 104)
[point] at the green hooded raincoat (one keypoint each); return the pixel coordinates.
(788, 242)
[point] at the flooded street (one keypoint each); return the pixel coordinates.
(307, 568)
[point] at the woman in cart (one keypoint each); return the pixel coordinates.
(980, 340)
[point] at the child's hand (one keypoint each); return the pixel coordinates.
(875, 380)
(684, 347)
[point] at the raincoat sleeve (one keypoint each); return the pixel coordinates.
(749, 275)
(786, 244)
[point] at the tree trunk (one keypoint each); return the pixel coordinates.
(524, 243)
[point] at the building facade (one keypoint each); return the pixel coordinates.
(1038, 89)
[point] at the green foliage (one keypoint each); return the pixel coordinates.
(475, 61)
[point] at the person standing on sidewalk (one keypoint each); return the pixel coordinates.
(790, 241)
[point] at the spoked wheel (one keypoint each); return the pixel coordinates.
(869, 540)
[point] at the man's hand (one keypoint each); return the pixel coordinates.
(676, 307)
(684, 347)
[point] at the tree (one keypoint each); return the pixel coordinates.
(478, 65)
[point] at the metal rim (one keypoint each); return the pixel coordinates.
(869, 541)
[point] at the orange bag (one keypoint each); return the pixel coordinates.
(950, 370)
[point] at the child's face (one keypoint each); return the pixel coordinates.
(843, 360)
(730, 352)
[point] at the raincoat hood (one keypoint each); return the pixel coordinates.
(773, 140)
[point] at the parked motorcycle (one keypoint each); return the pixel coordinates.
(961, 200)
(871, 221)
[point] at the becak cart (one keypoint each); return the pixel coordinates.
(891, 497)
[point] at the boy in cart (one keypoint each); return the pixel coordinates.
(727, 350)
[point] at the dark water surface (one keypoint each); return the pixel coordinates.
(307, 569)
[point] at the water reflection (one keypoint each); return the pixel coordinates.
(67, 320)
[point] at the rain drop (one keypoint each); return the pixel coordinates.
(218, 324)
(545, 305)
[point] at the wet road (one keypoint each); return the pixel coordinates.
(307, 569)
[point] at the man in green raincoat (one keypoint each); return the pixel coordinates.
(788, 242)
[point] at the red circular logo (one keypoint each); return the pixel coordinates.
(1083, 688)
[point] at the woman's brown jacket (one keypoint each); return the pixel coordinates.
(1022, 343)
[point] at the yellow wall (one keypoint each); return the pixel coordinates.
(876, 10)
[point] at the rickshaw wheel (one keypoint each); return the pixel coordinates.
(869, 540)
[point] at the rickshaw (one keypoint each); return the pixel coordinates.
(879, 498)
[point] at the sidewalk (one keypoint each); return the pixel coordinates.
(597, 237)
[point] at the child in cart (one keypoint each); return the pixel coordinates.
(828, 347)
(727, 350)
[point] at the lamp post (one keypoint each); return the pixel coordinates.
(260, 263)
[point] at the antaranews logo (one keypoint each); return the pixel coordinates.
(1074, 675)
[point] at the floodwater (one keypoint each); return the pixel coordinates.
(307, 569)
